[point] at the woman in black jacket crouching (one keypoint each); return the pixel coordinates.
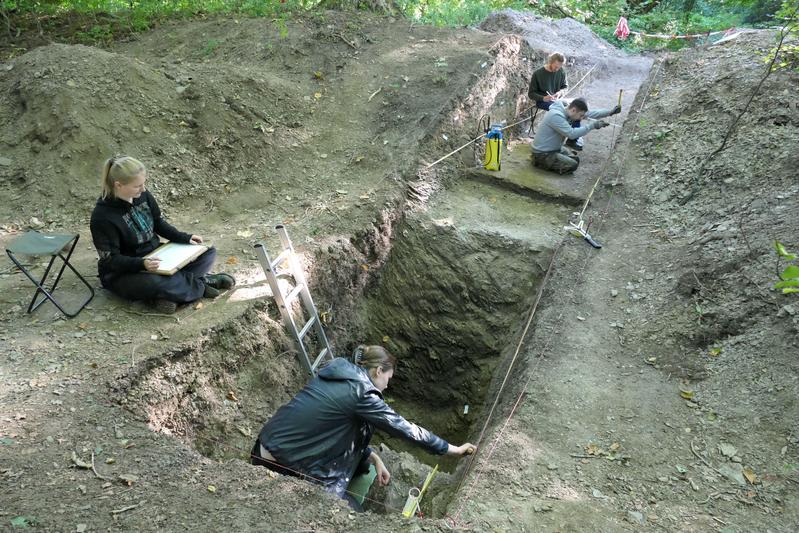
(323, 433)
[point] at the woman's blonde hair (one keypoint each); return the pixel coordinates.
(556, 56)
(121, 168)
(373, 357)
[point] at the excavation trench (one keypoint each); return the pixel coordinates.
(448, 302)
(444, 283)
(448, 294)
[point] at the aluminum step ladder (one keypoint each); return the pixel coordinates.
(284, 301)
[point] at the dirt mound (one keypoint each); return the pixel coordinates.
(729, 209)
(69, 107)
(723, 215)
(66, 106)
(566, 35)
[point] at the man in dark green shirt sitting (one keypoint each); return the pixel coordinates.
(549, 84)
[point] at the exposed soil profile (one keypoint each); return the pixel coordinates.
(655, 389)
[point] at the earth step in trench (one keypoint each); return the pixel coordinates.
(519, 175)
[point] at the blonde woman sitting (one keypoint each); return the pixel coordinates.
(126, 224)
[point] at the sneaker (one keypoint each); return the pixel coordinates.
(165, 307)
(211, 292)
(575, 144)
(220, 281)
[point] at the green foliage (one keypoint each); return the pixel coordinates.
(99, 33)
(455, 12)
(210, 46)
(282, 27)
(672, 18)
(21, 522)
(788, 58)
(101, 21)
(789, 276)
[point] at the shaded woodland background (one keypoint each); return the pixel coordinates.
(102, 21)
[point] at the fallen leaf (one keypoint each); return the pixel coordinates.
(750, 475)
(232, 260)
(83, 325)
(687, 394)
(359, 159)
(110, 461)
(244, 233)
(714, 352)
(593, 449)
(615, 446)
(727, 450)
(386, 338)
(317, 95)
(232, 396)
(199, 305)
(318, 74)
(211, 489)
(128, 479)
(365, 267)
(79, 463)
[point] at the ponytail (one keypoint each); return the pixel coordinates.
(368, 357)
(121, 168)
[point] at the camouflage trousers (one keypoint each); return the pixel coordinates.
(561, 162)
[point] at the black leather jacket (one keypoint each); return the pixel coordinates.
(324, 431)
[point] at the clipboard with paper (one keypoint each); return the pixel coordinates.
(175, 256)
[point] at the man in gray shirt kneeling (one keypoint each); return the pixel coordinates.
(548, 150)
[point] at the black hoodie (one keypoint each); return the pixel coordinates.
(324, 431)
(124, 232)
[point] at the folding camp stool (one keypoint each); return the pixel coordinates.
(54, 245)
